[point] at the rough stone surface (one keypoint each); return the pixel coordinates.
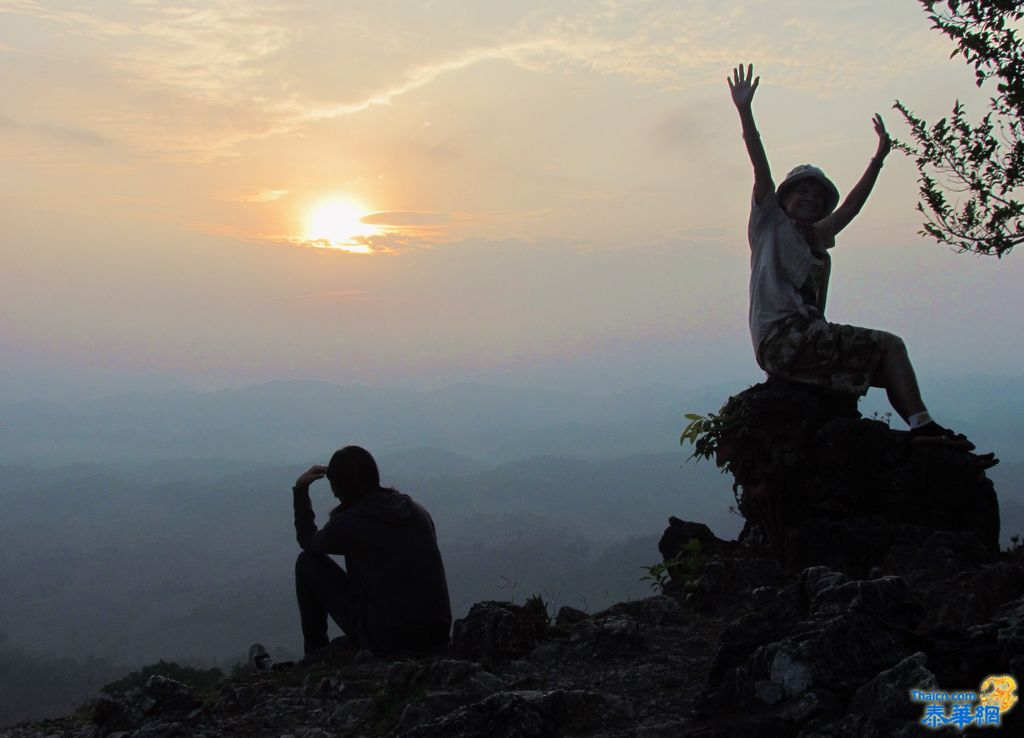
(496, 631)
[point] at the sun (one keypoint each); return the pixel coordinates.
(338, 223)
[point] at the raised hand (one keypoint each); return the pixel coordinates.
(309, 476)
(742, 86)
(884, 141)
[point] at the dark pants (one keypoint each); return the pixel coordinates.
(323, 588)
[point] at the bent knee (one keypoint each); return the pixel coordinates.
(315, 565)
(305, 561)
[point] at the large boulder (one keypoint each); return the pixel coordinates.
(497, 631)
(818, 484)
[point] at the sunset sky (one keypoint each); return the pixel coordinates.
(211, 194)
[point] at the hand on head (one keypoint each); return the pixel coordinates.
(312, 474)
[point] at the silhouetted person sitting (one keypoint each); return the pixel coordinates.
(392, 597)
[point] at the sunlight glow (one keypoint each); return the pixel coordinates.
(337, 223)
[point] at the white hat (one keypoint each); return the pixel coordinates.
(809, 171)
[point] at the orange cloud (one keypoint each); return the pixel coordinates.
(405, 218)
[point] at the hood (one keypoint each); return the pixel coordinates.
(393, 508)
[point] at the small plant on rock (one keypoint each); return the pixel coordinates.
(704, 432)
(537, 608)
(684, 567)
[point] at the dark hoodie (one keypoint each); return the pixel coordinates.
(395, 568)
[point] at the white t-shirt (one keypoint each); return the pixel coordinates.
(780, 260)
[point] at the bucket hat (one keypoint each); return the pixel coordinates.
(809, 171)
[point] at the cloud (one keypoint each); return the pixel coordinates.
(393, 243)
(82, 23)
(207, 48)
(664, 45)
(405, 218)
(264, 195)
(224, 72)
(413, 79)
(182, 81)
(57, 132)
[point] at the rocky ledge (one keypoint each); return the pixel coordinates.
(634, 669)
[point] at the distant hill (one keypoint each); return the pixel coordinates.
(162, 566)
(281, 422)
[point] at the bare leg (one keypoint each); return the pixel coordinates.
(896, 374)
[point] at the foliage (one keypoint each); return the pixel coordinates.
(704, 432)
(717, 434)
(684, 566)
(885, 417)
(983, 163)
(537, 608)
(198, 679)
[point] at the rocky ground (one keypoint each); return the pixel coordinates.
(868, 568)
(634, 669)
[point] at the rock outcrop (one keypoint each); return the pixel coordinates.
(824, 486)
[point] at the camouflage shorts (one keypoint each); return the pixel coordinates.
(840, 357)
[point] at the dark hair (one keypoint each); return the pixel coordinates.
(353, 469)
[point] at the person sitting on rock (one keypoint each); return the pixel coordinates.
(790, 231)
(392, 597)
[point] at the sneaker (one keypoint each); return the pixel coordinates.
(933, 434)
(985, 461)
(259, 659)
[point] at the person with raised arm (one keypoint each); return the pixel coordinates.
(791, 229)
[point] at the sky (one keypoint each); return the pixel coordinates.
(214, 194)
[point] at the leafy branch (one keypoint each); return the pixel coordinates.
(981, 165)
